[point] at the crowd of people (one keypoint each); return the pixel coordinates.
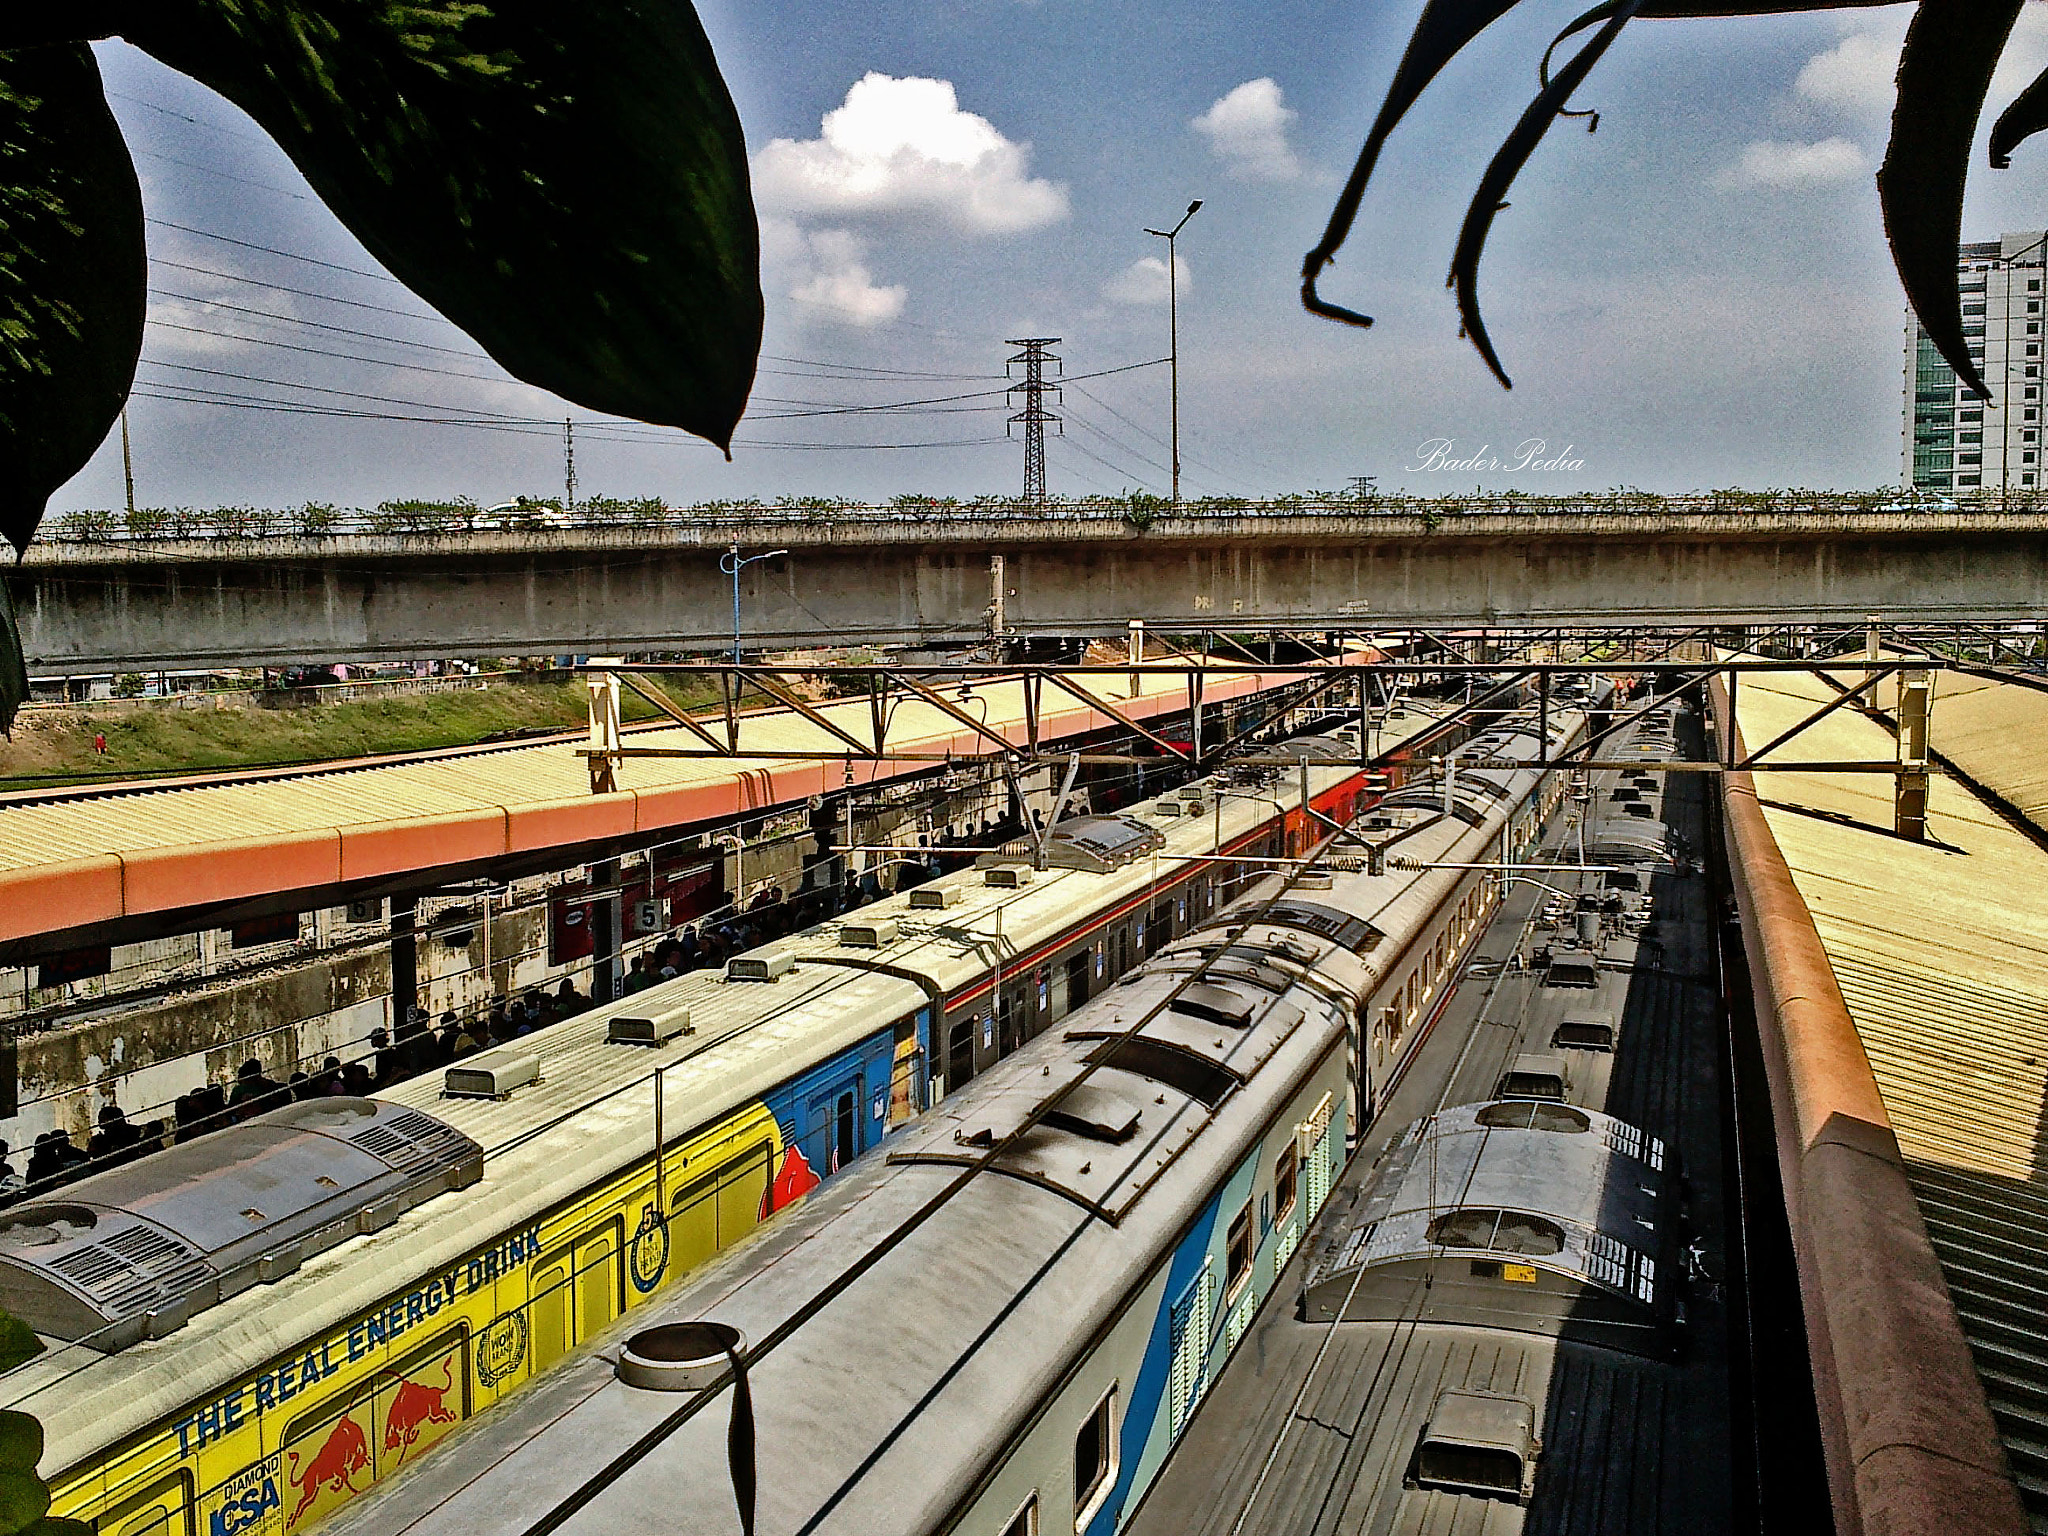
(421, 1045)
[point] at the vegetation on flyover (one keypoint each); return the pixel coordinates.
(1141, 510)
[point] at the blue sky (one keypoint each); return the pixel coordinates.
(1697, 295)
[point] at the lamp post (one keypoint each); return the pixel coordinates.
(731, 563)
(1173, 335)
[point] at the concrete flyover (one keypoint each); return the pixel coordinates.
(94, 606)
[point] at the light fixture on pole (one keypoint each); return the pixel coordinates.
(1173, 335)
(731, 563)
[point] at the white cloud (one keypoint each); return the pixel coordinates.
(1144, 281)
(1771, 163)
(2025, 57)
(826, 272)
(1247, 131)
(905, 146)
(1856, 75)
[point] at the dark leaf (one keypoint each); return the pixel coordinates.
(71, 280)
(1444, 28)
(2027, 116)
(564, 179)
(1507, 164)
(1951, 50)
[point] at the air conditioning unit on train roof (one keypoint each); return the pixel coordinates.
(878, 933)
(491, 1075)
(767, 965)
(935, 898)
(648, 1029)
(1007, 877)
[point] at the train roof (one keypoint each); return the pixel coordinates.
(135, 1251)
(964, 1321)
(590, 1114)
(1549, 1187)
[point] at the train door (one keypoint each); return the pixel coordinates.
(907, 1056)
(835, 1125)
(576, 1291)
(547, 1314)
(1078, 964)
(599, 1280)
(1009, 1017)
(959, 1053)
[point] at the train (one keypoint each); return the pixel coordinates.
(1515, 1316)
(1003, 1321)
(245, 1333)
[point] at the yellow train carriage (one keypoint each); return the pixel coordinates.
(280, 1449)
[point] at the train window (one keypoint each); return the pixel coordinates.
(1237, 1258)
(1182, 1070)
(166, 1508)
(1025, 1521)
(1094, 1460)
(1496, 1230)
(1534, 1115)
(1286, 1169)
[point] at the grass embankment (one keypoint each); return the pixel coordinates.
(55, 746)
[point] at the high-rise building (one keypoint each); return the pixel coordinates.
(1954, 441)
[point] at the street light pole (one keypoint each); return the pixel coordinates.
(731, 563)
(1173, 336)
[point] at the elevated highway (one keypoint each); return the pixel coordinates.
(953, 574)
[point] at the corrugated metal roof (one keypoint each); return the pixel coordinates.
(1994, 732)
(67, 863)
(1941, 951)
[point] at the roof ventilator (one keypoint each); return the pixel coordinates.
(493, 1075)
(879, 933)
(769, 965)
(657, 1029)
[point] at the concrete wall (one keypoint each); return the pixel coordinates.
(86, 607)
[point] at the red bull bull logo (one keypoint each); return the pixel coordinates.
(414, 1407)
(344, 1453)
(792, 1182)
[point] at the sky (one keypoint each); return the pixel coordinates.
(1697, 295)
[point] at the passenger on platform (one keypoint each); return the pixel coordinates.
(10, 1182)
(356, 1080)
(499, 1020)
(389, 1059)
(466, 1042)
(213, 1106)
(444, 1043)
(568, 1001)
(54, 1161)
(254, 1093)
(327, 1082)
(116, 1141)
(638, 979)
(518, 1025)
(301, 1087)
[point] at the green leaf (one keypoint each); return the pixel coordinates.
(23, 1500)
(564, 179)
(71, 285)
(18, 1341)
(21, 1441)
